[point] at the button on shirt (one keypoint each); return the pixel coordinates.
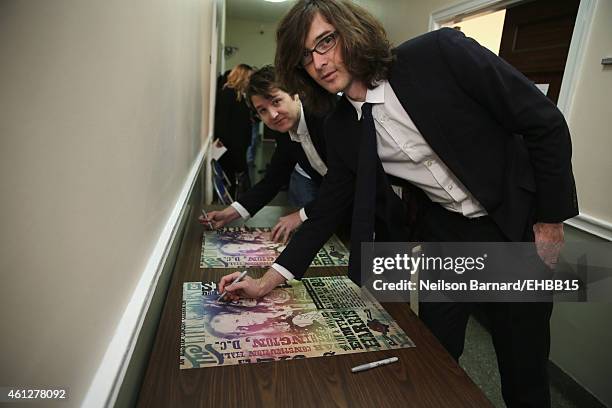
(406, 154)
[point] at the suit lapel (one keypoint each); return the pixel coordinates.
(421, 107)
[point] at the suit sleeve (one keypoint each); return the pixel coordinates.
(333, 200)
(515, 102)
(277, 175)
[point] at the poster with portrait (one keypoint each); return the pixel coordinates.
(242, 247)
(314, 317)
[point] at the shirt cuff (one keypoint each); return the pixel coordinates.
(283, 271)
(303, 215)
(241, 210)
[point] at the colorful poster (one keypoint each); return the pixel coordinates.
(241, 247)
(312, 318)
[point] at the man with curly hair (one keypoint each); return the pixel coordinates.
(482, 156)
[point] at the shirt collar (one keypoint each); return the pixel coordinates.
(302, 129)
(373, 96)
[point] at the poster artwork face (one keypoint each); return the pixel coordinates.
(240, 247)
(312, 318)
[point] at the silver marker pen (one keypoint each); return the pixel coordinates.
(207, 219)
(374, 364)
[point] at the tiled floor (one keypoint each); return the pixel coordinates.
(479, 362)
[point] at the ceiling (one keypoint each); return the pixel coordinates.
(258, 10)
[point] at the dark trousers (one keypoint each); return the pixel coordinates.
(520, 331)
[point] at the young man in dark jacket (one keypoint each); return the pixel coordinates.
(302, 145)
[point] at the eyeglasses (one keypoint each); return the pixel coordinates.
(324, 45)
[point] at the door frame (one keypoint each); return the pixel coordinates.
(575, 56)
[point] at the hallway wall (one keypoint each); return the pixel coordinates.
(590, 119)
(256, 42)
(101, 119)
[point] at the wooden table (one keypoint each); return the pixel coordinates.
(425, 376)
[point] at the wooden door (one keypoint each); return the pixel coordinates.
(536, 38)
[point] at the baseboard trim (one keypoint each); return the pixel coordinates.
(104, 388)
(573, 391)
(591, 225)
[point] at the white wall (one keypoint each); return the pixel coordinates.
(582, 333)
(405, 19)
(254, 48)
(590, 119)
(101, 118)
(486, 29)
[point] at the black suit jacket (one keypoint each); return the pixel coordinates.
(502, 138)
(284, 159)
(233, 127)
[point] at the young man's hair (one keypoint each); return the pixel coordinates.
(366, 51)
(238, 79)
(262, 83)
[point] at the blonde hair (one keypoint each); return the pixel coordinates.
(238, 79)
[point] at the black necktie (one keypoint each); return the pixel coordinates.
(364, 204)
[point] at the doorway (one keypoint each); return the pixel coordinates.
(533, 36)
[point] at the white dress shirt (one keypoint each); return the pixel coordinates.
(404, 153)
(302, 136)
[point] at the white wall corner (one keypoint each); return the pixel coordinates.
(575, 56)
(591, 225)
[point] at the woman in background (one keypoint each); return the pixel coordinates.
(233, 126)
